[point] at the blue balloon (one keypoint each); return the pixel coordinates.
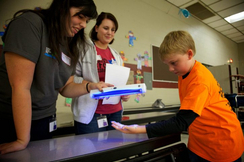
(185, 13)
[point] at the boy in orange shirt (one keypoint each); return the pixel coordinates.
(215, 133)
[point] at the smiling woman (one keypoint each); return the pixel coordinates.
(78, 21)
(39, 57)
(92, 115)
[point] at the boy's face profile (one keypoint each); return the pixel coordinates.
(180, 63)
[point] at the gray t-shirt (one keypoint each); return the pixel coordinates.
(27, 36)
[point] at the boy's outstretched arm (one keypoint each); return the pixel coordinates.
(176, 124)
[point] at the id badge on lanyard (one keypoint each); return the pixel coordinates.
(102, 121)
(52, 124)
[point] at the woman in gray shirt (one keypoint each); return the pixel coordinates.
(39, 56)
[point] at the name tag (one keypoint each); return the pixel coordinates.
(66, 59)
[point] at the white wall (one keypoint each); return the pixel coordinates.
(150, 20)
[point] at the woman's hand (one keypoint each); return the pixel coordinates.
(125, 98)
(99, 86)
(129, 129)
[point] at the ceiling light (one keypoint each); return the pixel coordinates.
(236, 17)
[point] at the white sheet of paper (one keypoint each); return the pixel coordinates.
(118, 76)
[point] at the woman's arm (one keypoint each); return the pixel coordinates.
(20, 72)
(72, 89)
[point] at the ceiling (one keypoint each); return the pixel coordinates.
(213, 12)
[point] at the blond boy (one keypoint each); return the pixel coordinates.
(215, 133)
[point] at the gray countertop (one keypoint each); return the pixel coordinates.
(88, 145)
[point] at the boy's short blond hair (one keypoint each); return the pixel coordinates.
(176, 42)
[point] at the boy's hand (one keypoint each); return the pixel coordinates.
(128, 129)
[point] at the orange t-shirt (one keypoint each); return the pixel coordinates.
(215, 135)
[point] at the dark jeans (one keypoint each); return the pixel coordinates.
(195, 158)
(92, 127)
(39, 130)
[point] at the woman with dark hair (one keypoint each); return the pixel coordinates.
(91, 115)
(39, 57)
